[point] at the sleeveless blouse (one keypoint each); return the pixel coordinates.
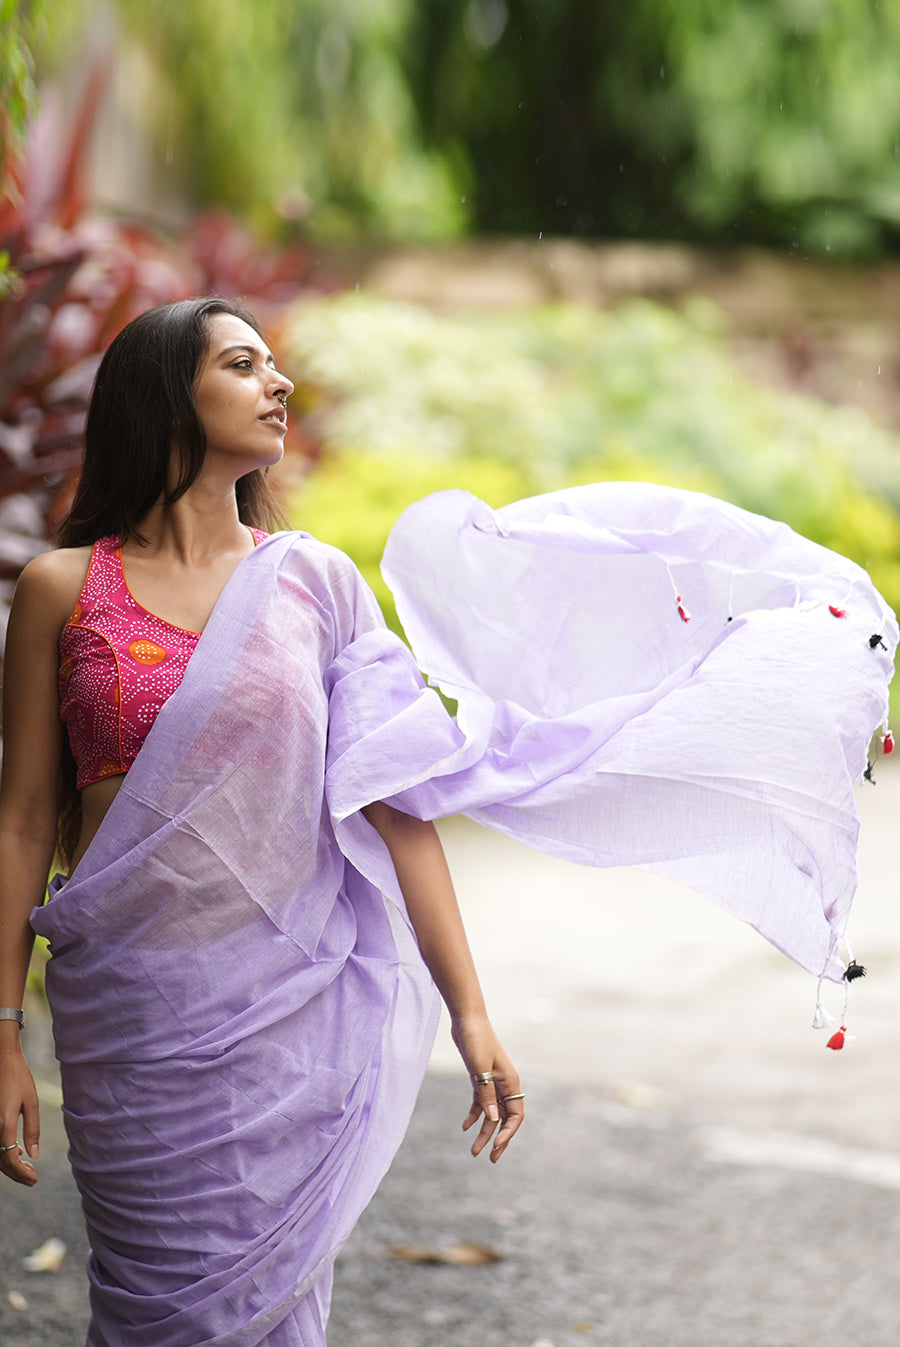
(118, 664)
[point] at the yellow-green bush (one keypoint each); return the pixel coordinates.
(508, 404)
(353, 499)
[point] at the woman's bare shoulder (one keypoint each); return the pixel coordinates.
(53, 581)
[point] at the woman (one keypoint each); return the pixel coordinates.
(240, 1008)
(241, 1012)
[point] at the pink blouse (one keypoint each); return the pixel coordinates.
(118, 664)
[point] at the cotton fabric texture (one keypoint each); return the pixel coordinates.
(654, 677)
(241, 1013)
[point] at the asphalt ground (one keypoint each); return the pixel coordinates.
(697, 1168)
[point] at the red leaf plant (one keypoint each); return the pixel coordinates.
(78, 278)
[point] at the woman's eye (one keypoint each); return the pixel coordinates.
(244, 363)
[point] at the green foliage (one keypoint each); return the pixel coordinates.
(19, 21)
(355, 496)
(295, 108)
(37, 967)
(771, 120)
(794, 111)
(557, 114)
(507, 405)
(9, 277)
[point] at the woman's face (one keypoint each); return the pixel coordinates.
(239, 396)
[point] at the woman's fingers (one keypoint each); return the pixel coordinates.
(493, 1106)
(484, 1136)
(513, 1111)
(15, 1164)
(497, 1098)
(15, 1155)
(31, 1124)
(486, 1094)
(473, 1114)
(484, 1099)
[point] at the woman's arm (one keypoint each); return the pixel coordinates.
(31, 751)
(427, 889)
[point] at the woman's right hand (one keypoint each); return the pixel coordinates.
(18, 1099)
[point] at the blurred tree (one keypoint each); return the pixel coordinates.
(559, 110)
(776, 121)
(723, 121)
(794, 109)
(19, 20)
(296, 109)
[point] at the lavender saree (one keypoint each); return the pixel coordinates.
(240, 1010)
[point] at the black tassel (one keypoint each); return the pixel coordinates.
(875, 640)
(854, 970)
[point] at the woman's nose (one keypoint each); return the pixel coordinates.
(282, 384)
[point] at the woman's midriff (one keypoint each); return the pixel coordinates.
(95, 801)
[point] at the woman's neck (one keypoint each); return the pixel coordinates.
(200, 523)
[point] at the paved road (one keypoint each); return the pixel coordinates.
(697, 1168)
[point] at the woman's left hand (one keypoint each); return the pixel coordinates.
(424, 879)
(498, 1101)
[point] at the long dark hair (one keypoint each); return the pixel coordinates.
(141, 406)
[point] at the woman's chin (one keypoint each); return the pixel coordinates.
(246, 463)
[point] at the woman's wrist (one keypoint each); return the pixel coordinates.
(474, 1014)
(10, 1034)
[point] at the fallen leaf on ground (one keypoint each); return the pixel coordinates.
(460, 1255)
(16, 1300)
(47, 1257)
(635, 1094)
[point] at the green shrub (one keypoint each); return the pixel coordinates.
(354, 497)
(508, 404)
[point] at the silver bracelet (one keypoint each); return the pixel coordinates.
(10, 1013)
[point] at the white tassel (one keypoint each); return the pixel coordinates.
(822, 1019)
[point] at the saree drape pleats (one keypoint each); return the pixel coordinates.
(241, 1013)
(240, 1009)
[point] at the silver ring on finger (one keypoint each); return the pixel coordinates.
(506, 1097)
(483, 1077)
(14, 1147)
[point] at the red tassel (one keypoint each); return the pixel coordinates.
(887, 743)
(837, 612)
(836, 1041)
(682, 611)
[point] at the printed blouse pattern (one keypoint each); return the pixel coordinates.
(118, 664)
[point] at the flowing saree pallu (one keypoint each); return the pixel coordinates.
(240, 1009)
(655, 677)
